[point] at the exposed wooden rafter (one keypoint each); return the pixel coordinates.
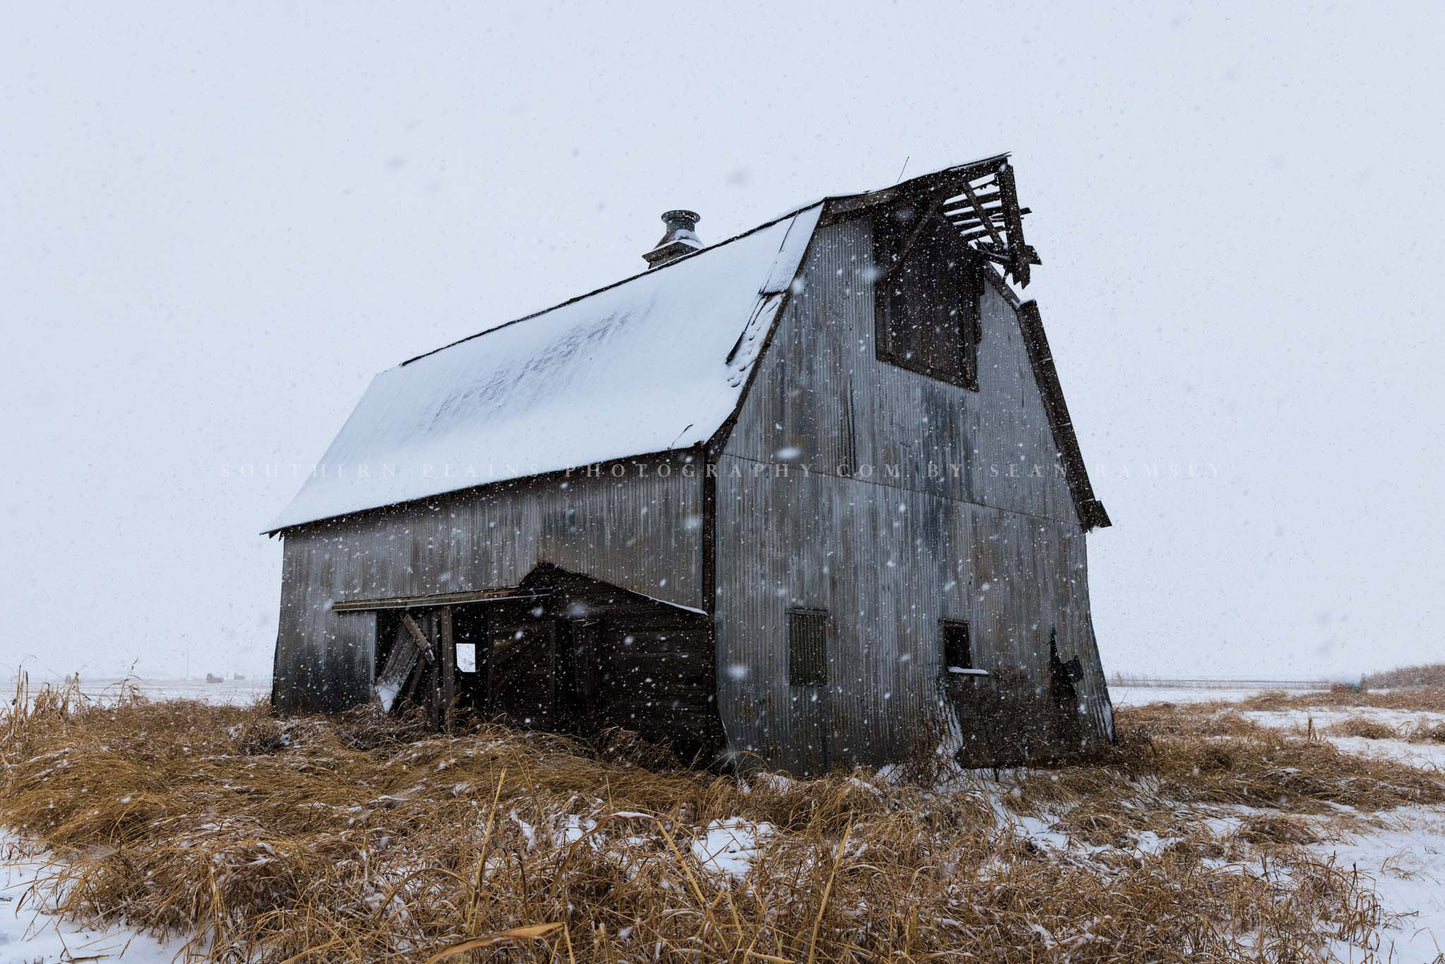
(984, 207)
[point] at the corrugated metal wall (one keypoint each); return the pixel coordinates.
(906, 500)
(642, 532)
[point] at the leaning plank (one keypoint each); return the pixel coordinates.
(1013, 220)
(396, 672)
(418, 637)
(447, 691)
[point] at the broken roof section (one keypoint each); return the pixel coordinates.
(651, 364)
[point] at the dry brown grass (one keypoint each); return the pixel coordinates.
(1429, 733)
(1432, 674)
(356, 838)
(1202, 755)
(1423, 698)
(1363, 726)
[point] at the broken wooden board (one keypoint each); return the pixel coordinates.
(399, 667)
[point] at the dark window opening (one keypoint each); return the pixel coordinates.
(927, 298)
(957, 648)
(807, 647)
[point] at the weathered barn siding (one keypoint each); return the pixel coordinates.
(906, 501)
(642, 532)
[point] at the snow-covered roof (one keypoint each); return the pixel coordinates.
(651, 364)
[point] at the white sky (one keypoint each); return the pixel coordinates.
(218, 221)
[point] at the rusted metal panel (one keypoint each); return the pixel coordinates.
(892, 501)
(640, 530)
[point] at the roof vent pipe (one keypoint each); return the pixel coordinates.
(680, 238)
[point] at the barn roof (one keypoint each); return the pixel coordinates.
(657, 362)
(654, 363)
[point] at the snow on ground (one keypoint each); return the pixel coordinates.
(28, 936)
(1425, 756)
(1137, 695)
(1429, 756)
(1405, 859)
(730, 846)
(1328, 716)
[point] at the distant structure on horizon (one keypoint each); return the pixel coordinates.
(807, 496)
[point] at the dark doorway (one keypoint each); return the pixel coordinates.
(516, 663)
(561, 653)
(469, 630)
(1063, 699)
(522, 672)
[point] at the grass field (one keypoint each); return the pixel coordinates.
(1214, 831)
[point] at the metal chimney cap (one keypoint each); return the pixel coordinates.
(679, 240)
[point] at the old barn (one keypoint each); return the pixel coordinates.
(810, 494)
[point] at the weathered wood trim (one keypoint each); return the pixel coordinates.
(719, 440)
(434, 599)
(397, 671)
(846, 206)
(486, 488)
(1004, 289)
(446, 643)
(984, 220)
(1091, 510)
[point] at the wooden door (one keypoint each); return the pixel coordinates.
(653, 676)
(522, 673)
(420, 664)
(578, 652)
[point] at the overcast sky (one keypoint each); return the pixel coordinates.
(217, 221)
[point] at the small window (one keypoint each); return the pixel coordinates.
(927, 299)
(807, 647)
(957, 648)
